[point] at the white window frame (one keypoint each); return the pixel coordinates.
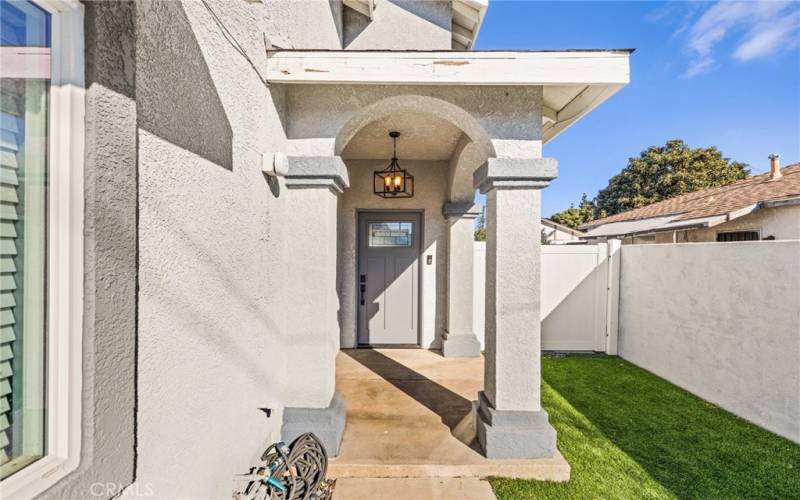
(64, 257)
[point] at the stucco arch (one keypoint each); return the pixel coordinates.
(416, 104)
(472, 150)
(467, 157)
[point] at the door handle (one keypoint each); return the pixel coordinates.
(363, 287)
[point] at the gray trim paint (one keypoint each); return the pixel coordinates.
(515, 172)
(326, 423)
(513, 434)
(314, 171)
(461, 209)
(460, 345)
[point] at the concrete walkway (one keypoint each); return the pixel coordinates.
(413, 488)
(409, 415)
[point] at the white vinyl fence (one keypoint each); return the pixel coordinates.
(579, 296)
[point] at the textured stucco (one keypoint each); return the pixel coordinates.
(721, 320)
(460, 339)
(504, 121)
(400, 24)
(512, 331)
(312, 318)
(430, 194)
(109, 313)
(212, 312)
(300, 24)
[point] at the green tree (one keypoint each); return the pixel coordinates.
(480, 226)
(574, 217)
(661, 172)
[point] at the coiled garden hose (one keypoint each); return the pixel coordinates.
(293, 472)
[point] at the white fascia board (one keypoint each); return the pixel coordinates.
(780, 202)
(586, 68)
(741, 212)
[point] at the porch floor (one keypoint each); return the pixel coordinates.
(409, 414)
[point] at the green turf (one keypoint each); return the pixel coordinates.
(629, 434)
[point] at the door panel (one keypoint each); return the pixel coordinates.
(388, 271)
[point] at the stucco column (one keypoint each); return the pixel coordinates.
(313, 185)
(511, 422)
(459, 340)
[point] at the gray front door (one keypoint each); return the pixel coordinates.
(388, 277)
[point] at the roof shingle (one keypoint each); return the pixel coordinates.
(717, 200)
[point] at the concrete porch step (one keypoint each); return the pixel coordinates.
(421, 489)
(542, 469)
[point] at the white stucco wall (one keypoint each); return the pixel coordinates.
(721, 320)
(552, 235)
(213, 331)
(430, 194)
(400, 24)
(781, 222)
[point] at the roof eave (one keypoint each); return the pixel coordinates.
(589, 76)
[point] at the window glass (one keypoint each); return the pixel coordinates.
(23, 228)
(390, 234)
(23, 24)
(738, 236)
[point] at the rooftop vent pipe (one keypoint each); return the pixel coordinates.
(775, 166)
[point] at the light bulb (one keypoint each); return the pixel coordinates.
(397, 181)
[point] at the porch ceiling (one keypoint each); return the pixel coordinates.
(424, 137)
(575, 82)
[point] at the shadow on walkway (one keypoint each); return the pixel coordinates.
(451, 407)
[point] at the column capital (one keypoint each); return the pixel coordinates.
(317, 172)
(515, 173)
(466, 210)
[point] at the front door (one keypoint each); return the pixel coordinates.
(388, 277)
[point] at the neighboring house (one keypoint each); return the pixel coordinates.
(761, 207)
(196, 217)
(554, 233)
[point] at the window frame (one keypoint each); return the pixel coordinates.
(733, 231)
(64, 320)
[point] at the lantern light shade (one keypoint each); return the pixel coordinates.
(394, 181)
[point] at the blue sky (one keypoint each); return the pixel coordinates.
(725, 74)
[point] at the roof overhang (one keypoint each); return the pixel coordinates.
(575, 81)
(652, 225)
(467, 20)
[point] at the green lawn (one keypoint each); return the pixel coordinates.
(629, 434)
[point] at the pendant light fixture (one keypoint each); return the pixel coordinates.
(393, 182)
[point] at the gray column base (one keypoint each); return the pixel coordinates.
(460, 345)
(326, 423)
(514, 434)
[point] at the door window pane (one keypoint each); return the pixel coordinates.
(390, 234)
(23, 228)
